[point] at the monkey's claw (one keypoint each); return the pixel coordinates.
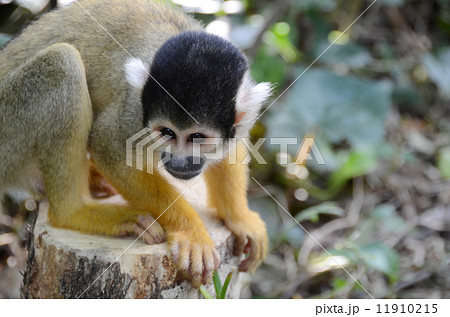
(194, 255)
(251, 239)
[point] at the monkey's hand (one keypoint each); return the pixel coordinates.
(251, 238)
(145, 227)
(194, 254)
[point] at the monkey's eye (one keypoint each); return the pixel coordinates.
(196, 137)
(169, 134)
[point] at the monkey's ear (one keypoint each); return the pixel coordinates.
(136, 72)
(249, 101)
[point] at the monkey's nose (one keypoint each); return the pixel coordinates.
(179, 162)
(185, 167)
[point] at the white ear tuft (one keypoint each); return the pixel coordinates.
(136, 72)
(249, 101)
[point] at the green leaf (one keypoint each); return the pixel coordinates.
(217, 283)
(278, 38)
(375, 255)
(313, 213)
(332, 108)
(223, 292)
(205, 292)
(357, 164)
(380, 257)
(443, 161)
(338, 283)
(269, 66)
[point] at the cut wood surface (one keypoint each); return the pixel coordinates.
(69, 264)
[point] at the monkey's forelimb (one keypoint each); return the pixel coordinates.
(53, 87)
(227, 184)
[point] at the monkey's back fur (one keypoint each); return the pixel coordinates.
(138, 27)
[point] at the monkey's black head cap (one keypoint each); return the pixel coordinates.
(203, 72)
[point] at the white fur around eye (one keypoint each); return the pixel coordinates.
(136, 72)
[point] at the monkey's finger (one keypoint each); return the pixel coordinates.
(263, 245)
(152, 228)
(148, 222)
(209, 266)
(175, 250)
(184, 258)
(146, 236)
(216, 257)
(196, 268)
(249, 263)
(239, 244)
(180, 252)
(209, 261)
(263, 249)
(247, 247)
(157, 237)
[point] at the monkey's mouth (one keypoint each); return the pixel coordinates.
(184, 175)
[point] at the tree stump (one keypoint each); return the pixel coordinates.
(68, 264)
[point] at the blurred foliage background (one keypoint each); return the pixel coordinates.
(373, 90)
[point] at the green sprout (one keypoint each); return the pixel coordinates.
(221, 291)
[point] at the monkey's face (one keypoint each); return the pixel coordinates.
(198, 94)
(185, 153)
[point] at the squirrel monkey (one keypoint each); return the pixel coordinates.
(67, 87)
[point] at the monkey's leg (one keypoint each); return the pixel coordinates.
(227, 186)
(57, 95)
